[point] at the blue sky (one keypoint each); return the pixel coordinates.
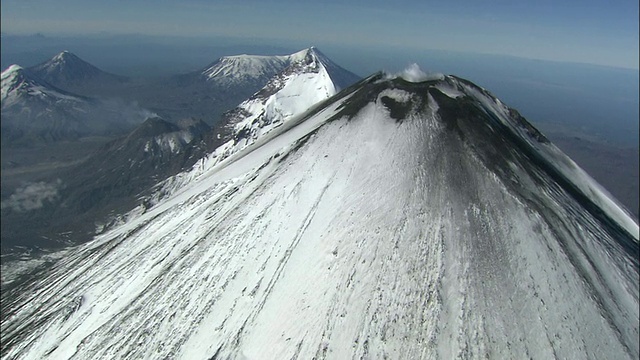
(589, 31)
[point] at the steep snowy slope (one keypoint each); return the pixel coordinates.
(299, 87)
(302, 84)
(397, 220)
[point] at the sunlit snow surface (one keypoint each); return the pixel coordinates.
(229, 69)
(291, 93)
(359, 237)
(305, 83)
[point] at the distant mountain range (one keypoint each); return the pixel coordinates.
(204, 94)
(122, 172)
(35, 111)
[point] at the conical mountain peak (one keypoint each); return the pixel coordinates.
(66, 70)
(307, 80)
(302, 54)
(64, 61)
(65, 55)
(397, 218)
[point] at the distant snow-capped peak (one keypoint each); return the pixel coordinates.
(18, 83)
(11, 77)
(231, 69)
(65, 68)
(65, 59)
(244, 67)
(303, 83)
(63, 56)
(310, 55)
(306, 81)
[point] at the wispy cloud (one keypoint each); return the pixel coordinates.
(32, 196)
(413, 73)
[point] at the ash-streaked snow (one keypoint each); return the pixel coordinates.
(353, 232)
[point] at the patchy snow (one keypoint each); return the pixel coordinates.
(61, 57)
(398, 95)
(26, 264)
(173, 142)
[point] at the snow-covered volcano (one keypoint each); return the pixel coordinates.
(309, 79)
(397, 219)
(240, 69)
(67, 70)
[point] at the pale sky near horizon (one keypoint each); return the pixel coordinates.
(589, 31)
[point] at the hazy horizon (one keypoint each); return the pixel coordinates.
(592, 31)
(587, 100)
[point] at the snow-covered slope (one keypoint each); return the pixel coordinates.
(397, 220)
(299, 87)
(302, 84)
